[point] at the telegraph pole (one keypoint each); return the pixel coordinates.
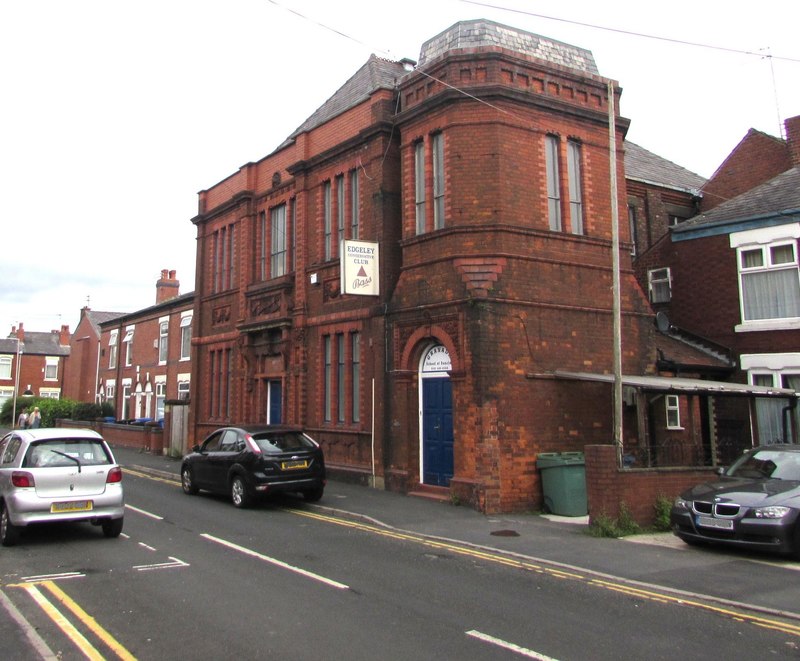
(617, 398)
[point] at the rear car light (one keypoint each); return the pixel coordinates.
(22, 479)
(114, 475)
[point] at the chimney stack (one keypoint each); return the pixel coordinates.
(793, 139)
(167, 286)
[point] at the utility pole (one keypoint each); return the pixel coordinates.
(617, 398)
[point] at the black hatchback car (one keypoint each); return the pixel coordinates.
(755, 504)
(249, 462)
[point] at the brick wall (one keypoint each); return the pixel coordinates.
(608, 488)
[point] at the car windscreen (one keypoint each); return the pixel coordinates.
(767, 464)
(67, 452)
(283, 441)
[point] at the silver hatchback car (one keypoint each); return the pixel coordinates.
(57, 475)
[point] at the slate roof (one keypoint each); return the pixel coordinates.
(482, 33)
(780, 196)
(96, 318)
(645, 166)
(36, 343)
(375, 74)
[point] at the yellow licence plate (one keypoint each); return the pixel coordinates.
(294, 465)
(74, 506)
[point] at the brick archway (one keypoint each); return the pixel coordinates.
(420, 340)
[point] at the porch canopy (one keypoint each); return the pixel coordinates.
(679, 384)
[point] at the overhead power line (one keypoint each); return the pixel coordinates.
(630, 33)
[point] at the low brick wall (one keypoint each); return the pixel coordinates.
(145, 438)
(607, 486)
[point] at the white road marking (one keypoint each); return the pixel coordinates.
(277, 563)
(52, 577)
(147, 546)
(509, 646)
(142, 512)
(162, 565)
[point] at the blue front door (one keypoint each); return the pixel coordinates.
(437, 431)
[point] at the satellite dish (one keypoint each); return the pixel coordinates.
(662, 322)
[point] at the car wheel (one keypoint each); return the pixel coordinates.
(187, 481)
(312, 495)
(112, 527)
(9, 533)
(239, 494)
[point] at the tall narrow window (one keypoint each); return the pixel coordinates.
(186, 336)
(327, 378)
(673, 412)
(5, 367)
(339, 235)
(327, 220)
(356, 375)
(161, 398)
(438, 181)
(575, 193)
(340, 389)
(419, 185)
(632, 224)
(262, 262)
(128, 342)
(293, 230)
(163, 330)
(277, 260)
(553, 183)
(112, 349)
(354, 206)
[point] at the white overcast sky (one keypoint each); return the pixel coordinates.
(114, 114)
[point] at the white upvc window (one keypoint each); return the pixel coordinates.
(128, 342)
(186, 335)
(51, 368)
(673, 410)
(112, 348)
(659, 284)
(5, 367)
(184, 388)
(769, 281)
(163, 340)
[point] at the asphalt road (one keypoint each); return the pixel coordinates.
(193, 577)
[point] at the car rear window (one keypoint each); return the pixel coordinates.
(67, 452)
(283, 442)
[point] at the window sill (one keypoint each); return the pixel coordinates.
(767, 325)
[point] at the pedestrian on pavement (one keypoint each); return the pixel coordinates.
(22, 419)
(35, 419)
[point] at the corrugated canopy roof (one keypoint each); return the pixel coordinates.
(680, 384)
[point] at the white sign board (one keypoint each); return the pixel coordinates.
(359, 268)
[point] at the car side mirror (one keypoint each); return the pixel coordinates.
(195, 448)
(720, 470)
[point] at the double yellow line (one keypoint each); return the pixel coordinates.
(69, 629)
(620, 587)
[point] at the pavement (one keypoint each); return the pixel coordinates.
(757, 583)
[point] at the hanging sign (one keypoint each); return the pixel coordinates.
(359, 268)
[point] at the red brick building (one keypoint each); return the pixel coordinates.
(732, 274)
(145, 356)
(481, 176)
(82, 373)
(33, 363)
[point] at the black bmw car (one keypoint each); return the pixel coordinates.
(248, 462)
(755, 504)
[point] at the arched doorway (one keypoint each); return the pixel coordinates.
(436, 417)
